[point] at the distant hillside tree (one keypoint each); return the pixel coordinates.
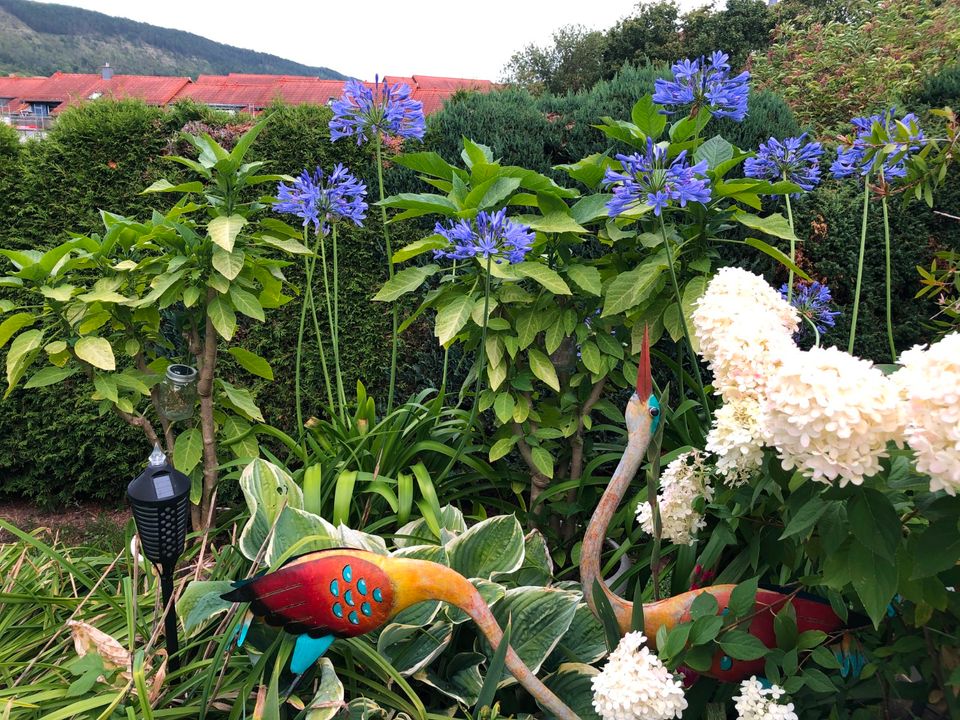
(572, 62)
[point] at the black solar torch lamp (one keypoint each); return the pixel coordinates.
(160, 499)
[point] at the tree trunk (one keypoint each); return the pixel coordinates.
(205, 515)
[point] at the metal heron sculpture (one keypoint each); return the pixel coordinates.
(344, 592)
(643, 416)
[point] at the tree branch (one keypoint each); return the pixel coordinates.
(155, 399)
(576, 452)
(207, 362)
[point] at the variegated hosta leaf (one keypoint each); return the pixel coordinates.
(298, 532)
(328, 701)
(492, 546)
(267, 489)
(410, 648)
(572, 683)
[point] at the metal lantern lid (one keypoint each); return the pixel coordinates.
(160, 499)
(181, 374)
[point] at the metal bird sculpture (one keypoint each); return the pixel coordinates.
(642, 419)
(344, 592)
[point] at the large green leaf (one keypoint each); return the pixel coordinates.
(429, 163)
(875, 522)
(573, 683)
(267, 488)
(544, 275)
(242, 401)
(23, 350)
(416, 204)
(452, 317)
(631, 288)
(585, 641)
(491, 192)
(13, 324)
(228, 264)
(777, 255)
(328, 700)
(224, 319)
(418, 247)
(742, 646)
(543, 368)
(405, 281)
(223, 230)
(252, 363)
(715, 151)
(50, 376)
(297, 532)
(539, 617)
(201, 601)
(776, 224)
(586, 277)
(410, 648)
(246, 303)
(97, 351)
(648, 117)
(187, 450)
(874, 578)
(492, 546)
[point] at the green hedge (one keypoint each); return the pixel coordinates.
(53, 448)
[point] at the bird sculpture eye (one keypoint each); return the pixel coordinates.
(654, 412)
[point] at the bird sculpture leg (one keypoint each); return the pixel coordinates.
(345, 593)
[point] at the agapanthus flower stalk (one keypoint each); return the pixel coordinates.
(868, 154)
(489, 236)
(813, 300)
(796, 160)
(706, 84)
(321, 199)
(387, 110)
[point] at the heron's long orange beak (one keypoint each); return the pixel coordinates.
(644, 378)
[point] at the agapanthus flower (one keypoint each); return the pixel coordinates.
(743, 328)
(736, 439)
(635, 685)
(387, 111)
(831, 415)
(703, 83)
(682, 482)
(852, 158)
(930, 383)
(812, 300)
(756, 702)
(490, 235)
(650, 179)
(794, 159)
(320, 199)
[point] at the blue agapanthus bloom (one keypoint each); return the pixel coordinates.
(705, 83)
(794, 159)
(489, 235)
(320, 199)
(387, 111)
(650, 179)
(812, 300)
(854, 158)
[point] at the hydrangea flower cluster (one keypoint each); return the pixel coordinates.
(755, 702)
(490, 235)
(703, 83)
(831, 415)
(736, 438)
(683, 481)
(930, 383)
(812, 301)
(320, 199)
(635, 685)
(854, 157)
(648, 178)
(388, 111)
(795, 159)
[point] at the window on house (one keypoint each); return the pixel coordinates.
(41, 109)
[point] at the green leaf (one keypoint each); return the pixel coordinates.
(543, 368)
(542, 460)
(586, 277)
(705, 629)
(416, 204)
(452, 317)
(703, 605)
(591, 207)
(805, 518)
(874, 522)
(785, 627)
(106, 387)
(405, 281)
(61, 293)
(776, 224)
(715, 151)
(631, 288)
(288, 245)
(188, 450)
(221, 314)
(200, 601)
(418, 247)
(503, 407)
(21, 355)
(874, 578)
(492, 546)
(13, 324)
(96, 351)
(590, 355)
(742, 646)
(50, 376)
(810, 639)
(547, 277)
(429, 163)
(743, 597)
(647, 116)
(777, 255)
(223, 230)
(162, 185)
(937, 549)
(228, 264)
(267, 489)
(491, 192)
(252, 363)
(242, 400)
(502, 447)
(246, 303)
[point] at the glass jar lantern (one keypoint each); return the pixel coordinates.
(178, 393)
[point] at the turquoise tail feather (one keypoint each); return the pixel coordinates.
(307, 651)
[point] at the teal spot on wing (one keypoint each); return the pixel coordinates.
(365, 609)
(726, 663)
(378, 594)
(338, 610)
(347, 573)
(334, 587)
(362, 586)
(348, 598)
(353, 617)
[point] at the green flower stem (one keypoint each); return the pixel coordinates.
(657, 530)
(863, 247)
(683, 322)
(386, 238)
(446, 350)
(333, 333)
(886, 248)
(793, 246)
(308, 299)
(332, 319)
(816, 332)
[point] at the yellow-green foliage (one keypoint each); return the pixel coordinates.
(832, 71)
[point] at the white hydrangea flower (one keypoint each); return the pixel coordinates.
(930, 384)
(743, 327)
(684, 480)
(831, 414)
(634, 685)
(736, 438)
(756, 702)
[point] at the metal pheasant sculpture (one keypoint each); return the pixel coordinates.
(642, 419)
(344, 592)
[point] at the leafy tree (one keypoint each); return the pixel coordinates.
(739, 29)
(649, 36)
(573, 62)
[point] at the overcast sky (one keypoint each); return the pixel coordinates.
(454, 38)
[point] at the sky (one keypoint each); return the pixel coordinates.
(452, 38)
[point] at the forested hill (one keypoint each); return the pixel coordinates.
(39, 39)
